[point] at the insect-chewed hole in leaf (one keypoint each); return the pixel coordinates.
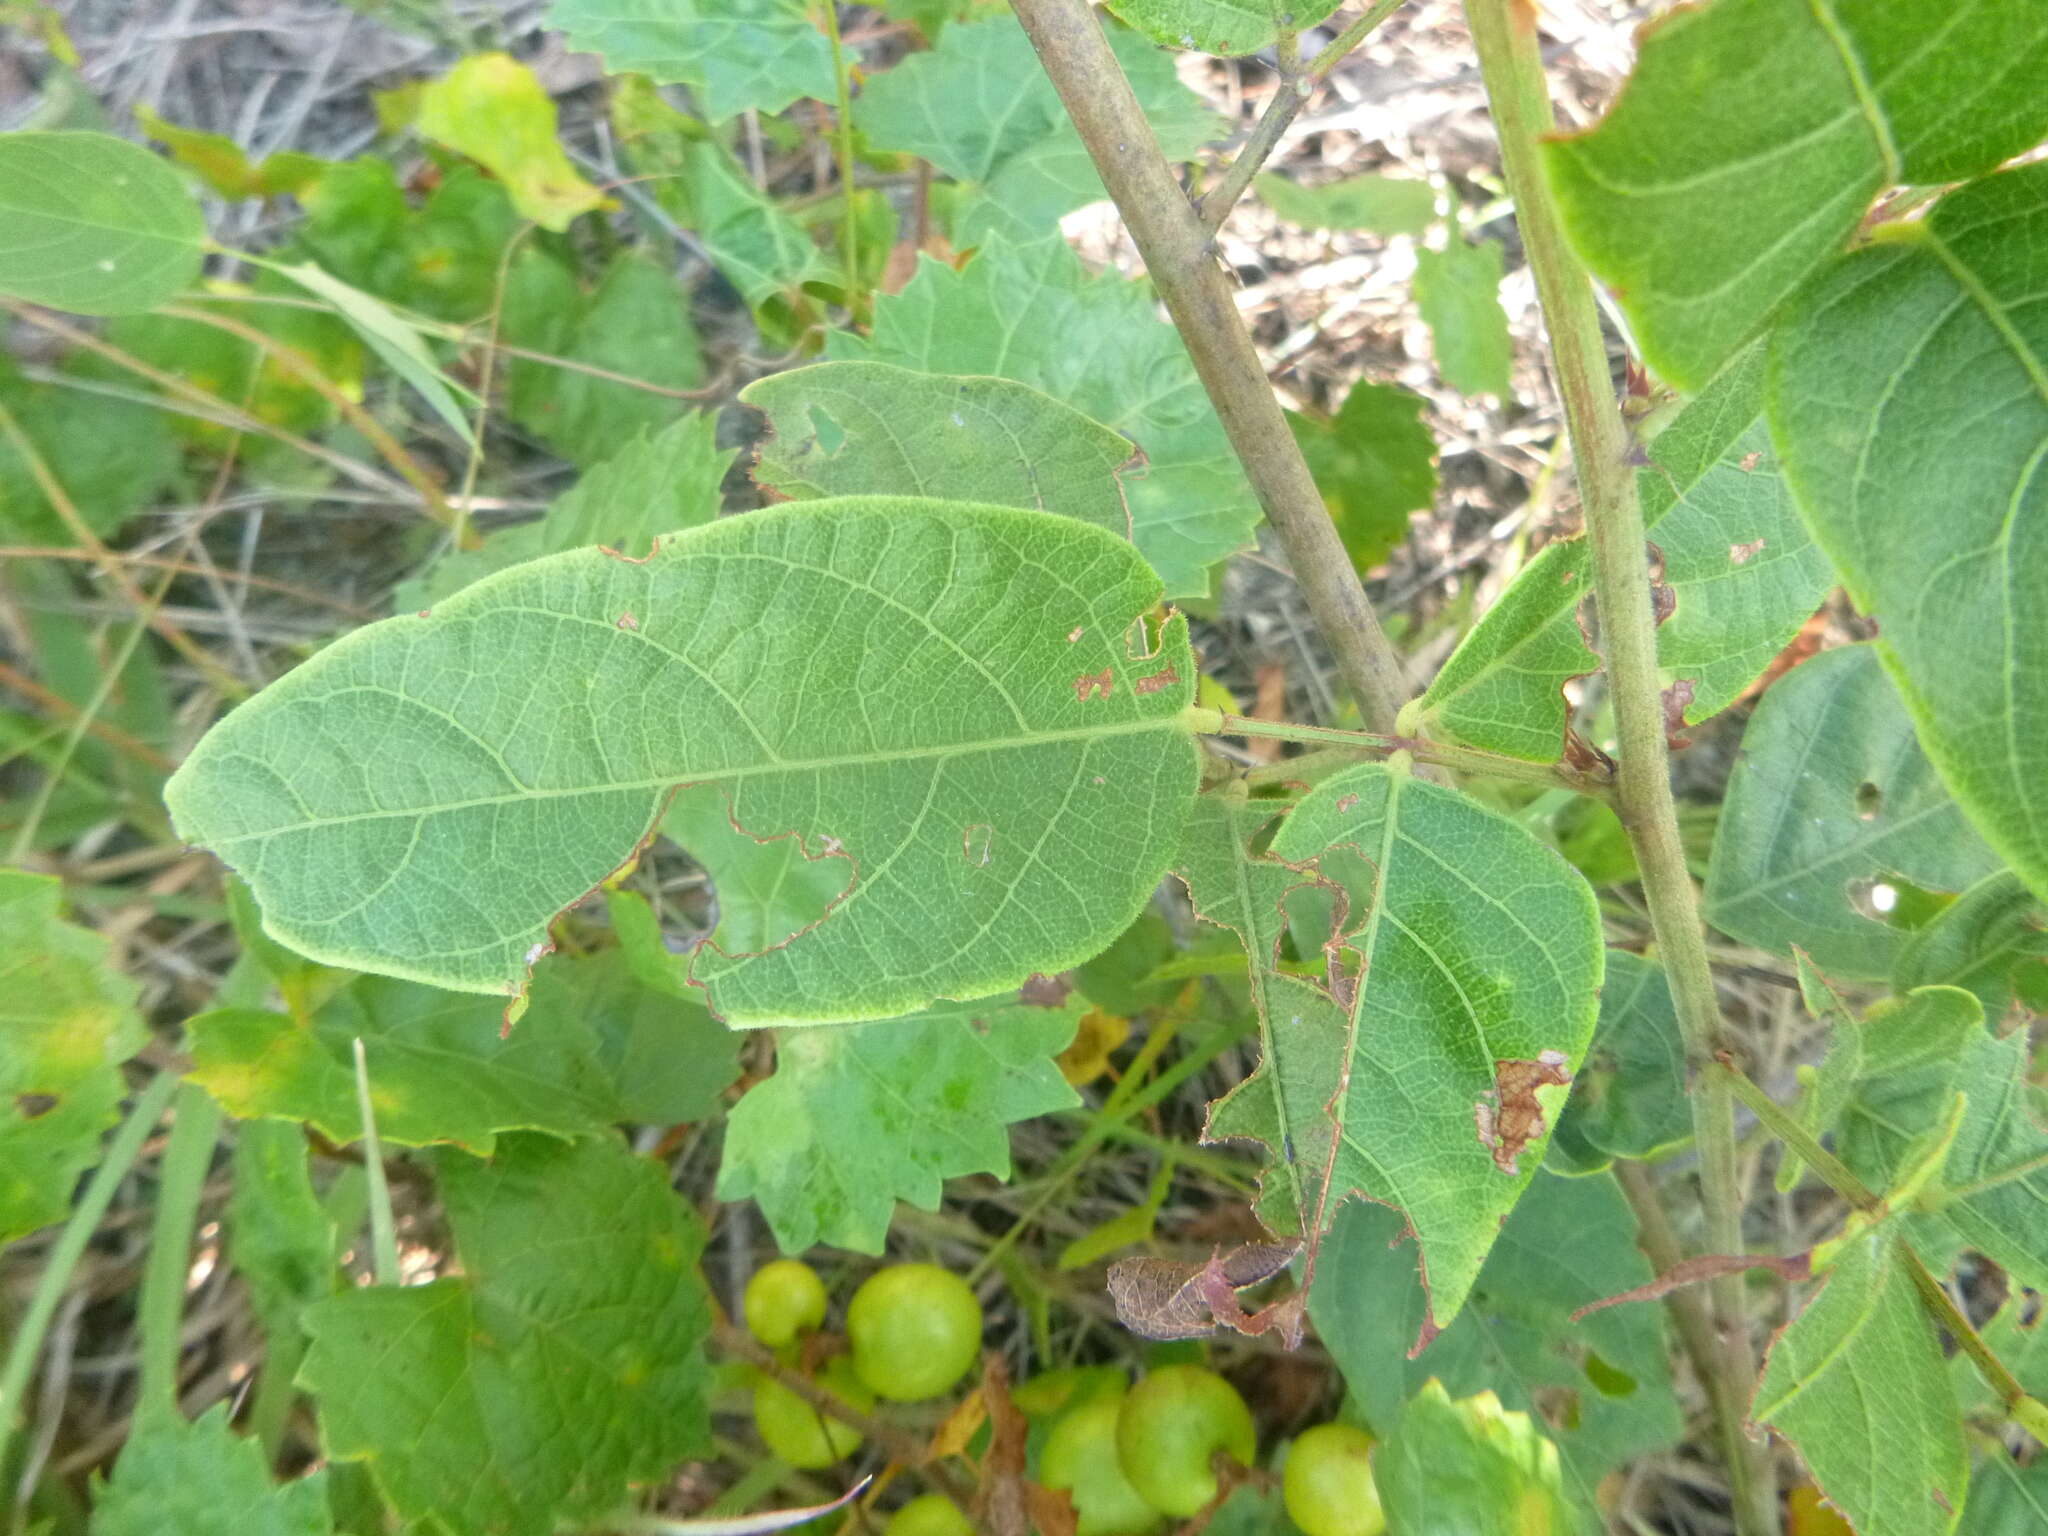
(767, 884)
(1559, 1407)
(826, 433)
(978, 842)
(1513, 1112)
(1610, 1380)
(1873, 898)
(33, 1106)
(1869, 801)
(2030, 1305)
(1141, 640)
(1320, 923)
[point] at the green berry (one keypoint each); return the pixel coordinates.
(1328, 1483)
(784, 1299)
(801, 1434)
(1080, 1456)
(930, 1514)
(915, 1330)
(1172, 1424)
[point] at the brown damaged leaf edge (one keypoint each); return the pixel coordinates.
(1510, 1116)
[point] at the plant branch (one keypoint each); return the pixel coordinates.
(1511, 65)
(1176, 247)
(1786, 1127)
(195, 1129)
(1296, 86)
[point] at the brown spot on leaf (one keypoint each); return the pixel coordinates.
(1677, 700)
(1045, 991)
(1742, 554)
(424, 612)
(1345, 803)
(1158, 680)
(652, 551)
(979, 842)
(628, 622)
(1582, 756)
(1750, 461)
(1509, 1116)
(1076, 633)
(33, 1106)
(1094, 685)
(1164, 1299)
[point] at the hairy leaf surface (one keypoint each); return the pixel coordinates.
(1913, 376)
(202, 1479)
(735, 55)
(1029, 313)
(563, 1363)
(1753, 135)
(91, 223)
(856, 1119)
(1859, 1385)
(67, 1022)
(1474, 960)
(848, 429)
(1833, 795)
(945, 696)
(1738, 562)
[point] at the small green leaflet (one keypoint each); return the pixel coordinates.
(203, 1479)
(858, 1118)
(1220, 26)
(1458, 291)
(67, 1022)
(1875, 431)
(1374, 462)
(1859, 1385)
(1469, 1467)
(735, 55)
(1754, 133)
(761, 250)
(1474, 960)
(564, 1363)
(1629, 1096)
(94, 224)
(1029, 313)
(1832, 796)
(1740, 567)
(846, 429)
(952, 699)
(1386, 205)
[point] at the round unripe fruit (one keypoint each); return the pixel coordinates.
(1173, 1422)
(915, 1330)
(930, 1514)
(805, 1436)
(1328, 1483)
(1080, 1456)
(784, 1299)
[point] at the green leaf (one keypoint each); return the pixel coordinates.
(1605, 1382)
(844, 429)
(735, 55)
(564, 1363)
(1220, 26)
(1858, 1384)
(656, 484)
(279, 1235)
(1469, 1467)
(768, 889)
(67, 1022)
(1475, 954)
(856, 1119)
(594, 1049)
(111, 456)
(1985, 941)
(494, 109)
(2006, 1499)
(1830, 798)
(635, 323)
(1753, 135)
(93, 224)
(943, 695)
(1029, 313)
(202, 1479)
(441, 259)
(1458, 291)
(1630, 1096)
(1913, 375)
(1374, 462)
(220, 162)
(1385, 205)
(982, 110)
(761, 250)
(1736, 558)
(1996, 1175)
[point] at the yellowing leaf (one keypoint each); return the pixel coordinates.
(1097, 1040)
(494, 109)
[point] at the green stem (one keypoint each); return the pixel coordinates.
(1296, 86)
(1782, 1124)
(1947, 1315)
(1511, 65)
(383, 1228)
(27, 1344)
(1493, 765)
(195, 1130)
(1175, 244)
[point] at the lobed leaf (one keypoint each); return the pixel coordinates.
(1468, 1467)
(1858, 1384)
(1737, 561)
(945, 696)
(758, 248)
(1831, 797)
(494, 109)
(175, 1478)
(1753, 135)
(1606, 1379)
(1374, 462)
(565, 1361)
(849, 429)
(93, 224)
(1457, 290)
(1220, 26)
(1029, 313)
(735, 55)
(67, 1022)
(1467, 960)
(856, 1119)
(1913, 375)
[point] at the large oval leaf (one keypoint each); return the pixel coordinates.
(945, 697)
(1909, 392)
(91, 223)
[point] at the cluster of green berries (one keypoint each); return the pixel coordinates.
(1130, 1457)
